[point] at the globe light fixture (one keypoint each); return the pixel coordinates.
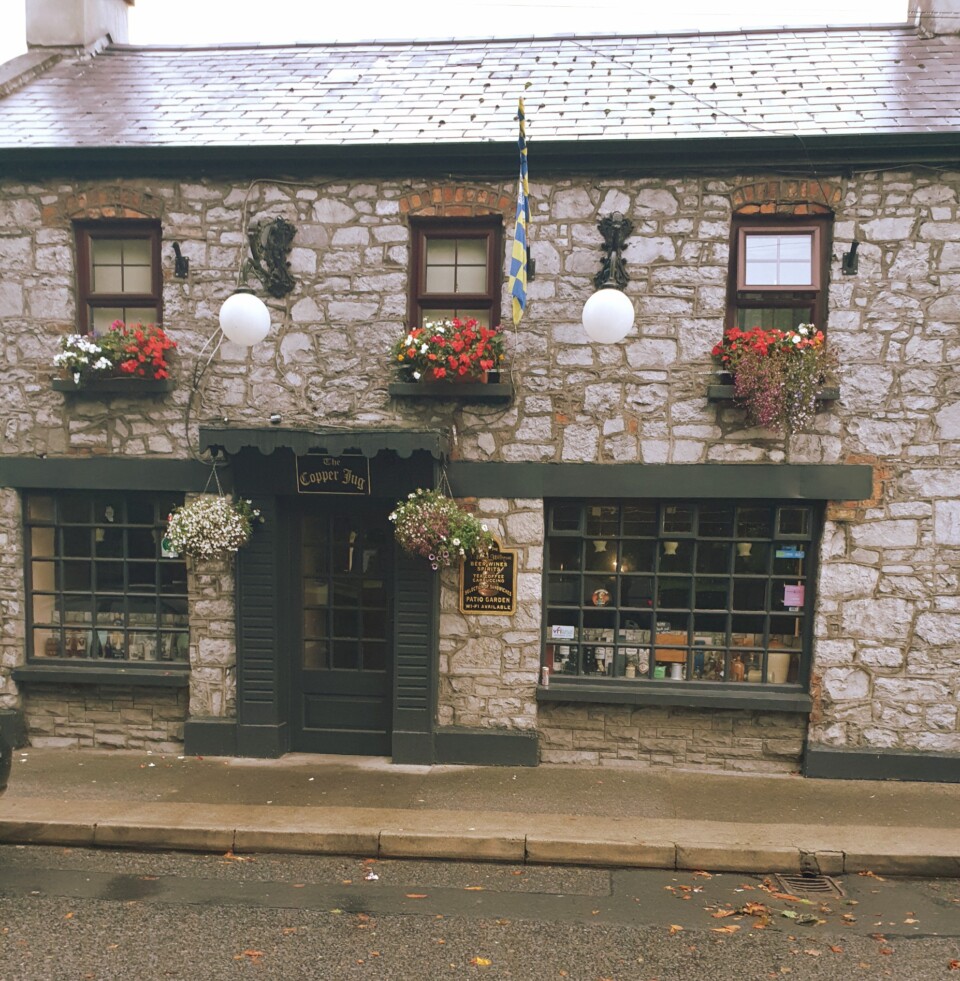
(244, 318)
(608, 314)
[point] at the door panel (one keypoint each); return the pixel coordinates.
(342, 677)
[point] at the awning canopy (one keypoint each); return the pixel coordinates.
(335, 442)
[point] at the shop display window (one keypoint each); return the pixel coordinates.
(103, 586)
(659, 591)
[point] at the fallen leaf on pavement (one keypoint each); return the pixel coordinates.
(237, 858)
(703, 875)
(288, 930)
(68, 916)
(813, 953)
(721, 913)
(872, 875)
(254, 955)
(953, 965)
(733, 928)
(837, 950)
(675, 928)
(416, 895)
(473, 888)
(480, 961)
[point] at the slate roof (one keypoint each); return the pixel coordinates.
(816, 82)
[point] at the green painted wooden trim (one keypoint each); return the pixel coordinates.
(828, 763)
(265, 742)
(597, 157)
(467, 392)
(736, 481)
(487, 747)
(139, 677)
(723, 393)
(134, 387)
(210, 737)
(103, 473)
(663, 693)
(412, 747)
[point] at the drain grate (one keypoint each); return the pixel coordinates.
(820, 885)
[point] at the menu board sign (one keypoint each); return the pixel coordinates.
(488, 583)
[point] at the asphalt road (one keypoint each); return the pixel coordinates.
(90, 915)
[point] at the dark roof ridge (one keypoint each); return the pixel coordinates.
(903, 26)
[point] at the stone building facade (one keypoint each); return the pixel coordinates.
(880, 672)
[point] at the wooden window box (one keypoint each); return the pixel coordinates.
(461, 391)
(722, 390)
(115, 386)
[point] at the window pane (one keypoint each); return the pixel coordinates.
(565, 517)
(601, 555)
(39, 508)
(678, 518)
(102, 317)
(42, 541)
(793, 521)
(640, 520)
(778, 260)
(796, 248)
(137, 279)
(136, 251)
(761, 274)
(602, 520)
(472, 279)
(139, 315)
(441, 279)
(107, 279)
(716, 521)
(638, 556)
(441, 251)
(105, 251)
(472, 252)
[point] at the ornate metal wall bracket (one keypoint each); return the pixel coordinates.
(270, 245)
(615, 230)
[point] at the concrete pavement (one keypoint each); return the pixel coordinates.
(560, 814)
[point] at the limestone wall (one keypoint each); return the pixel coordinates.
(105, 717)
(888, 615)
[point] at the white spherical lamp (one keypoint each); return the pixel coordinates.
(608, 316)
(244, 318)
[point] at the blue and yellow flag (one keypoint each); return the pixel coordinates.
(518, 258)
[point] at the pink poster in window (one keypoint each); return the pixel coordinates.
(793, 595)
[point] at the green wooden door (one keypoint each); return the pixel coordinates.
(342, 677)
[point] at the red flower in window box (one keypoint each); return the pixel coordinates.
(449, 349)
(776, 373)
(138, 350)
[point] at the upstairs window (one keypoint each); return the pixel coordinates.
(456, 270)
(778, 273)
(118, 274)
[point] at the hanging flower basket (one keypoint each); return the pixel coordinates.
(777, 374)
(449, 350)
(432, 525)
(211, 526)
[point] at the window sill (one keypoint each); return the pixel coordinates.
(723, 391)
(114, 386)
(73, 675)
(494, 391)
(688, 694)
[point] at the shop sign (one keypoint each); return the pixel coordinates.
(488, 583)
(318, 474)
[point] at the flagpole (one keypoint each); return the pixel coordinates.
(519, 258)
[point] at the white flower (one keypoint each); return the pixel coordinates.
(456, 541)
(409, 339)
(796, 339)
(484, 528)
(425, 348)
(416, 375)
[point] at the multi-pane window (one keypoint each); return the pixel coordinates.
(778, 274)
(118, 274)
(650, 591)
(100, 582)
(456, 270)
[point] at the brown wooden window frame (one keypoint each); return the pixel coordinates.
(419, 301)
(129, 228)
(812, 299)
